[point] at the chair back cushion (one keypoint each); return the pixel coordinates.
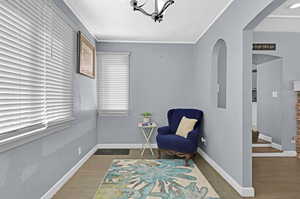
(175, 116)
(186, 125)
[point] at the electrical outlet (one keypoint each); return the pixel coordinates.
(79, 151)
(203, 140)
(218, 88)
(274, 94)
(293, 141)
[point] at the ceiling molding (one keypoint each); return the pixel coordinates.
(284, 16)
(213, 22)
(146, 42)
(82, 20)
(92, 31)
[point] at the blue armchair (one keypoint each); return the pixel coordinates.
(169, 142)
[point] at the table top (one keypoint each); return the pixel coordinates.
(150, 125)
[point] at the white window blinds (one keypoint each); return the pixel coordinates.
(59, 71)
(113, 83)
(36, 56)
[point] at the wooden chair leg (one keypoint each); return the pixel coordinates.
(194, 155)
(187, 158)
(186, 162)
(159, 154)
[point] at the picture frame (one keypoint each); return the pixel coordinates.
(86, 54)
(264, 46)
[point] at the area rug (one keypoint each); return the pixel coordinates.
(154, 179)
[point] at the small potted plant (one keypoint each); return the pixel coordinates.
(147, 117)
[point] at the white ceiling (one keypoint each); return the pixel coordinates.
(282, 19)
(114, 20)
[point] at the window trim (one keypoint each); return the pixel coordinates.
(111, 113)
(24, 138)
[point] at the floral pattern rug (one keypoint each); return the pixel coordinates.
(154, 179)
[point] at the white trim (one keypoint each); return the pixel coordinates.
(123, 146)
(60, 183)
(112, 53)
(81, 19)
(273, 145)
(145, 42)
(276, 146)
(57, 186)
(92, 29)
(16, 141)
(214, 21)
(282, 154)
(261, 145)
(265, 137)
(243, 191)
(284, 16)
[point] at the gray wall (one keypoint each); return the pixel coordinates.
(228, 131)
(288, 49)
(161, 78)
(31, 170)
(269, 113)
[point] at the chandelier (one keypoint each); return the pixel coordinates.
(159, 10)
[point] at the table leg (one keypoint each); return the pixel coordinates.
(149, 137)
(145, 144)
(147, 132)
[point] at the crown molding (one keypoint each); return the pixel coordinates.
(213, 21)
(93, 32)
(146, 42)
(81, 19)
(284, 16)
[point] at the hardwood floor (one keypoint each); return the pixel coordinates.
(276, 178)
(265, 150)
(260, 141)
(273, 178)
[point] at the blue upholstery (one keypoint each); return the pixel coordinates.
(167, 138)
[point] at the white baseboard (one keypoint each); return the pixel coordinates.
(243, 191)
(261, 145)
(276, 146)
(273, 145)
(57, 186)
(123, 146)
(265, 137)
(282, 154)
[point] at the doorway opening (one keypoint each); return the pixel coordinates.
(271, 66)
(266, 105)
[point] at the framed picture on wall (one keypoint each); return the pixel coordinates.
(86, 56)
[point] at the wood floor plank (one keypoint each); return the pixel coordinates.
(260, 141)
(265, 150)
(273, 178)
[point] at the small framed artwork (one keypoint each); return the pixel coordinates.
(85, 56)
(264, 46)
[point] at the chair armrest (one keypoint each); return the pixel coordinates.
(194, 135)
(164, 130)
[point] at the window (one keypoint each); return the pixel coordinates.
(220, 65)
(59, 71)
(36, 59)
(113, 83)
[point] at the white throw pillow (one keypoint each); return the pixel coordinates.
(186, 125)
